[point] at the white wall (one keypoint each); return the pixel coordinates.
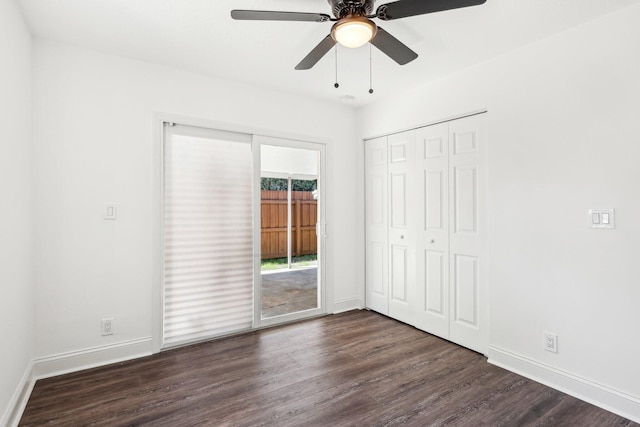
(94, 145)
(16, 237)
(564, 125)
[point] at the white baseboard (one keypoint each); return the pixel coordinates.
(58, 364)
(347, 304)
(19, 400)
(49, 366)
(612, 400)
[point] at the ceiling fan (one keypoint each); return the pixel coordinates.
(353, 25)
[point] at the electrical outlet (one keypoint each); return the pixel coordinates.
(107, 326)
(551, 342)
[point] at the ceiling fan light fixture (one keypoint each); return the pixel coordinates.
(353, 31)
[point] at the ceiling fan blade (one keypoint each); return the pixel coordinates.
(406, 8)
(317, 53)
(268, 15)
(393, 47)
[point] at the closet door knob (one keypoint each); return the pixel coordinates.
(402, 236)
(433, 240)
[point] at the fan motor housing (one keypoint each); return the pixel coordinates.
(343, 8)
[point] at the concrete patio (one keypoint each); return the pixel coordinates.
(289, 291)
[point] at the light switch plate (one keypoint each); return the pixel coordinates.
(110, 211)
(602, 218)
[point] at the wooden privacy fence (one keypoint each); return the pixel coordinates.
(304, 214)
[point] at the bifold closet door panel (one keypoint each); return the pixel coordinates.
(403, 292)
(376, 194)
(469, 301)
(425, 197)
(432, 234)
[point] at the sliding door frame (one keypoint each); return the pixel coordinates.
(258, 321)
(157, 207)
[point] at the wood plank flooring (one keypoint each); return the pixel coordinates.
(352, 369)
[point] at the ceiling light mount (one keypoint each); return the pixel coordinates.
(353, 31)
(344, 8)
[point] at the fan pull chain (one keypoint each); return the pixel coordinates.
(336, 85)
(370, 71)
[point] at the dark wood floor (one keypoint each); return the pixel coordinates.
(352, 369)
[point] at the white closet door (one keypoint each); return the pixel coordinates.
(403, 293)
(432, 234)
(469, 301)
(377, 272)
(434, 195)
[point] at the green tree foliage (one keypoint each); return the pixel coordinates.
(273, 184)
(279, 184)
(302, 185)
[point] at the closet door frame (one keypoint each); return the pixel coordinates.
(462, 312)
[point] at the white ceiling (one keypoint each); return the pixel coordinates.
(280, 162)
(200, 36)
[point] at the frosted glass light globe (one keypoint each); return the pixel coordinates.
(353, 32)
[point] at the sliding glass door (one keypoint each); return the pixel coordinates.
(222, 225)
(289, 277)
(208, 234)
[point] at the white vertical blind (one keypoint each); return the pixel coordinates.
(208, 234)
